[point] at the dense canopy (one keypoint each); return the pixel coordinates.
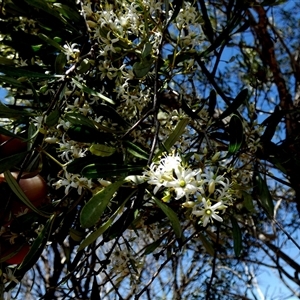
(149, 149)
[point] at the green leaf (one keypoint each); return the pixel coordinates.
(236, 134)
(38, 244)
(248, 201)
(6, 112)
(21, 72)
(206, 244)
(102, 150)
(237, 237)
(152, 247)
(100, 170)
(6, 61)
(236, 103)
(212, 102)
(11, 161)
(13, 184)
(146, 50)
(142, 68)
(84, 134)
(51, 42)
(67, 12)
(171, 216)
(173, 137)
(94, 208)
(78, 164)
(11, 81)
(79, 119)
(99, 231)
(60, 63)
(44, 6)
(136, 151)
(89, 91)
(265, 197)
(84, 66)
(52, 118)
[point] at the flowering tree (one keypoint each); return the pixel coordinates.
(149, 149)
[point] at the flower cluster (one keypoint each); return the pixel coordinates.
(198, 187)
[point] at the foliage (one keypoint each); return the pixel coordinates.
(171, 166)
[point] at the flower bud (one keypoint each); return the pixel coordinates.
(211, 187)
(215, 157)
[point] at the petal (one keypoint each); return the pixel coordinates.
(216, 217)
(205, 221)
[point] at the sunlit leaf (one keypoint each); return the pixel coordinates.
(94, 208)
(136, 150)
(99, 231)
(102, 150)
(89, 91)
(173, 137)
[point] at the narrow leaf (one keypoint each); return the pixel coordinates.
(51, 42)
(99, 170)
(237, 237)
(89, 91)
(236, 103)
(79, 119)
(98, 232)
(212, 102)
(236, 134)
(13, 184)
(171, 216)
(136, 150)
(173, 137)
(152, 247)
(264, 194)
(21, 72)
(206, 244)
(6, 112)
(11, 161)
(93, 210)
(38, 244)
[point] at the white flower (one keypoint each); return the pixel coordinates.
(208, 212)
(185, 183)
(71, 51)
(211, 180)
(73, 181)
(9, 276)
(156, 177)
